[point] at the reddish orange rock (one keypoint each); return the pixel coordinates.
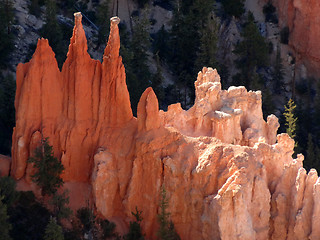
(73, 107)
(5, 163)
(302, 18)
(220, 162)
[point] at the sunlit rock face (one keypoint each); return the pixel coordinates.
(302, 18)
(227, 173)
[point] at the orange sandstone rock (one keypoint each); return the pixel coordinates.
(74, 107)
(302, 18)
(4, 165)
(227, 173)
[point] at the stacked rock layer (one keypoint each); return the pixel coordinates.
(226, 172)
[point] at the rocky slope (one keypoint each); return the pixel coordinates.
(302, 18)
(221, 164)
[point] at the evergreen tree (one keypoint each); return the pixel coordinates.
(160, 44)
(189, 20)
(53, 231)
(157, 80)
(8, 191)
(135, 232)
(135, 59)
(141, 3)
(34, 8)
(103, 21)
(48, 169)
(291, 120)
(108, 229)
(28, 217)
(7, 112)
(310, 160)
(52, 31)
(267, 102)
(304, 115)
(278, 74)
(5, 226)
(166, 228)
(208, 44)
(317, 111)
(6, 38)
(252, 53)
(233, 7)
(87, 218)
(6, 11)
(60, 205)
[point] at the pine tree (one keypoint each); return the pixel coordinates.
(278, 74)
(157, 80)
(233, 7)
(60, 205)
(252, 52)
(189, 20)
(208, 44)
(142, 3)
(311, 157)
(48, 169)
(52, 31)
(135, 58)
(160, 44)
(6, 38)
(34, 8)
(317, 111)
(135, 232)
(166, 228)
(5, 227)
(53, 231)
(103, 21)
(7, 112)
(291, 120)
(8, 191)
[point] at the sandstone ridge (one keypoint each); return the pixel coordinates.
(227, 173)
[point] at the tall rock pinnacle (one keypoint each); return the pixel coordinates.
(72, 107)
(220, 162)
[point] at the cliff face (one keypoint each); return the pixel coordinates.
(74, 107)
(226, 172)
(303, 19)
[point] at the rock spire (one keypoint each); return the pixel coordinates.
(227, 173)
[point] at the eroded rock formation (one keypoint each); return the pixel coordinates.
(226, 172)
(302, 18)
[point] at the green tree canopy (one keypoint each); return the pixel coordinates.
(252, 53)
(60, 205)
(48, 168)
(6, 38)
(291, 120)
(166, 228)
(5, 226)
(8, 191)
(135, 232)
(7, 112)
(53, 231)
(233, 7)
(52, 31)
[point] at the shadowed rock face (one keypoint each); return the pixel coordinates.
(226, 172)
(303, 19)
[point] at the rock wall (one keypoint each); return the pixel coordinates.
(226, 172)
(302, 18)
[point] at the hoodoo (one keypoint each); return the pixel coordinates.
(227, 173)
